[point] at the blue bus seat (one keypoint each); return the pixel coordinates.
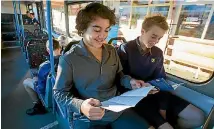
(61, 114)
(118, 39)
(48, 93)
(47, 97)
(68, 47)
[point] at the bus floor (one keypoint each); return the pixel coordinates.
(14, 98)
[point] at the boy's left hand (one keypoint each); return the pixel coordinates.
(137, 83)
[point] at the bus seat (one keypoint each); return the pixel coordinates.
(48, 92)
(40, 33)
(31, 28)
(68, 47)
(119, 39)
(36, 53)
(27, 33)
(27, 39)
(47, 97)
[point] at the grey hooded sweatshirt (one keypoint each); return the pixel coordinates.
(81, 76)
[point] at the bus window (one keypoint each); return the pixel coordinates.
(138, 14)
(161, 10)
(181, 57)
(72, 13)
(189, 54)
(160, 1)
(133, 12)
(192, 20)
(125, 2)
(124, 16)
(58, 17)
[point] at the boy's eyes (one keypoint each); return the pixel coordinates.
(99, 30)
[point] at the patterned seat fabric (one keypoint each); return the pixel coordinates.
(36, 53)
(27, 33)
(40, 33)
(27, 39)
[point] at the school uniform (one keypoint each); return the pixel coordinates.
(147, 65)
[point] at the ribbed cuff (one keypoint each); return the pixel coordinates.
(76, 105)
(125, 81)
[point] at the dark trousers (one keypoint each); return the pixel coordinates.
(150, 106)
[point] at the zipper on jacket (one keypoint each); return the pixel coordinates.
(101, 70)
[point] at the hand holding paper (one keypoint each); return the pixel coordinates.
(91, 109)
(126, 100)
(136, 83)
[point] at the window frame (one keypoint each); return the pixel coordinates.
(66, 4)
(206, 24)
(54, 31)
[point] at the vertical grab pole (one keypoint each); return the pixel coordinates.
(22, 26)
(48, 3)
(48, 25)
(16, 20)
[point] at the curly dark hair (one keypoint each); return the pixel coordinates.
(86, 15)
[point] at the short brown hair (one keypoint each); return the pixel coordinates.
(86, 15)
(157, 20)
(55, 44)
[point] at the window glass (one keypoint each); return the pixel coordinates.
(210, 31)
(160, 1)
(58, 17)
(138, 14)
(192, 20)
(124, 16)
(140, 2)
(163, 10)
(182, 59)
(72, 14)
(190, 58)
(125, 2)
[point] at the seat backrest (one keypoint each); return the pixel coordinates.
(119, 39)
(209, 121)
(68, 47)
(36, 53)
(40, 33)
(27, 33)
(28, 38)
(48, 92)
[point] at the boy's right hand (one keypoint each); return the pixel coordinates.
(153, 91)
(91, 109)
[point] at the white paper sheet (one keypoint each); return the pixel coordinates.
(126, 100)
